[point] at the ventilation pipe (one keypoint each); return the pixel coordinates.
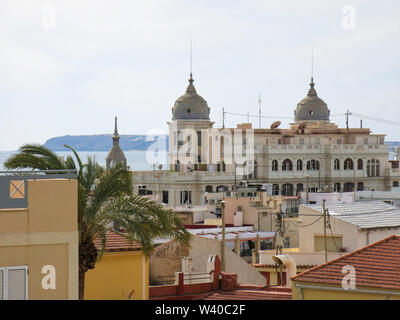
(289, 263)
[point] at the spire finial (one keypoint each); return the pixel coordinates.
(116, 128)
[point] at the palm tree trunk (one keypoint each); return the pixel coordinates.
(82, 285)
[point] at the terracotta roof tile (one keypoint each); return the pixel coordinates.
(117, 241)
(377, 266)
(247, 295)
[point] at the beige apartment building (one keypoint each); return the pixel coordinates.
(38, 236)
(312, 153)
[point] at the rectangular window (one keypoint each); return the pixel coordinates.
(14, 283)
(186, 197)
(301, 141)
(339, 141)
(165, 197)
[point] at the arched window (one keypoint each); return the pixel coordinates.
(287, 165)
(287, 189)
(395, 184)
(299, 165)
(336, 187)
(348, 164)
(336, 164)
(275, 189)
(360, 186)
(299, 188)
(222, 188)
(312, 165)
(209, 189)
(360, 164)
(348, 187)
(274, 165)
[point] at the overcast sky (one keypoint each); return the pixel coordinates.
(68, 67)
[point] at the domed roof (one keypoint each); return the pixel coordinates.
(311, 107)
(190, 106)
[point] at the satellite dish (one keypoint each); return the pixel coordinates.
(275, 125)
(302, 125)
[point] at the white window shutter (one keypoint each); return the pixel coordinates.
(16, 283)
(2, 283)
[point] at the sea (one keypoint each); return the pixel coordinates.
(136, 160)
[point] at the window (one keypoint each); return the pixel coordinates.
(339, 141)
(395, 184)
(365, 140)
(301, 141)
(299, 165)
(209, 189)
(360, 186)
(336, 164)
(287, 189)
(316, 140)
(348, 164)
(186, 197)
(336, 187)
(287, 165)
(348, 187)
(312, 165)
(275, 189)
(373, 168)
(14, 283)
(299, 187)
(274, 165)
(360, 164)
(165, 197)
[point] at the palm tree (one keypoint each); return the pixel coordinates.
(105, 199)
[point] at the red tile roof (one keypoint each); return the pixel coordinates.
(270, 266)
(238, 294)
(116, 242)
(376, 266)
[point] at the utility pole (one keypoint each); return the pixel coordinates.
(223, 236)
(324, 213)
(259, 110)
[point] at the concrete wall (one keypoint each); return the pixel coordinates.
(203, 247)
(119, 276)
(166, 260)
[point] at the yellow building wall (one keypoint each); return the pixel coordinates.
(122, 275)
(317, 294)
(44, 233)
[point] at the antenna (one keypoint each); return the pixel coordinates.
(190, 55)
(312, 60)
(259, 110)
(223, 118)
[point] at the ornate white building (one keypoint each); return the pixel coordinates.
(312, 152)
